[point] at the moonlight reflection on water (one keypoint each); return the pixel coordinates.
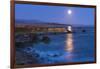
(69, 45)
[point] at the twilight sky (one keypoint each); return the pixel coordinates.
(58, 14)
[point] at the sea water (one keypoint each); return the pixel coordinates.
(62, 48)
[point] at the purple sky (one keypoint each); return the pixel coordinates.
(58, 14)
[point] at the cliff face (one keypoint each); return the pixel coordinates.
(40, 29)
(39, 26)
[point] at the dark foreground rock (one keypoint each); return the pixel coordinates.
(25, 58)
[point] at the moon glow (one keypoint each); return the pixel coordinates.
(69, 12)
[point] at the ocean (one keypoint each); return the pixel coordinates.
(78, 46)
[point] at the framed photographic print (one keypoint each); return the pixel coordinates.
(49, 34)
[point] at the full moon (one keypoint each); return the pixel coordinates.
(69, 12)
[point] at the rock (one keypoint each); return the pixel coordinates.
(83, 30)
(69, 31)
(45, 39)
(36, 55)
(25, 58)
